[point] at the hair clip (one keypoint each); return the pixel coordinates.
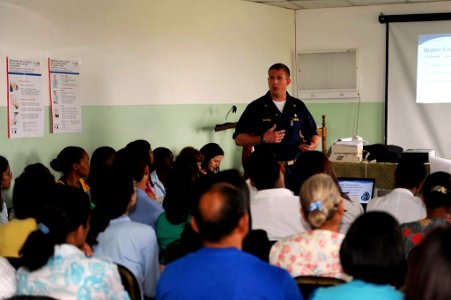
(316, 205)
(44, 229)
(440, 189)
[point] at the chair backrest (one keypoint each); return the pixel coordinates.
(307, 284)
(322, 131)
(172, 252)
(129, 282)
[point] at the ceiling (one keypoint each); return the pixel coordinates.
(312, 4)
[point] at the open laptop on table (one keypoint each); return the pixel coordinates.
(361, 189)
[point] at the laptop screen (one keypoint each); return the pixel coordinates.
(361, 189)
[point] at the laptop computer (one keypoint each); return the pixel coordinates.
(361, 189)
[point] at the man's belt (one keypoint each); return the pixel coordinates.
(287, 162)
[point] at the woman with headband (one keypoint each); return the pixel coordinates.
(314, 252)
(437, 197)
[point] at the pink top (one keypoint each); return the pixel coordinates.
(311, 253)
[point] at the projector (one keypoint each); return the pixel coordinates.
(419, 154)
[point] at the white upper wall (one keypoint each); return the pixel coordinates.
(359, 28)
(152, 52)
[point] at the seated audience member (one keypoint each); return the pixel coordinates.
(256, 242)
(5, 183)
(31, 194)
(373, 254)
(402, 202)
(437, 196)
(163, 162)
(7, 279)
(314, 252)
(428, 273)
(220, 270)
(54, 264)
(178, 202)
(144, 149)
(100, 158)
(274, 208)
(213, 155)
(135, 163)
(189, 155)
(131, 244)
(314, 162)
(73, 162)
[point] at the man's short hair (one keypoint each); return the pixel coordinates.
(409, 173)
(214, 226)
(263, 169)
(280, 66)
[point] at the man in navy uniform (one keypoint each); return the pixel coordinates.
(278, 121)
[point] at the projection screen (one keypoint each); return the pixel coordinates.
(418, 95)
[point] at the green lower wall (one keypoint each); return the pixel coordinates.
(173, 126)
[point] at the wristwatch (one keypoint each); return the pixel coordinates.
(262, 139)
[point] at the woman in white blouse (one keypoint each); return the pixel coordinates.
(54, 262)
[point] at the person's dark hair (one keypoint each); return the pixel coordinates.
(190, 156)
(139, 144)
(280, 66)
(99, 160)
(163, 162)
(410, 173)
(32, 191)
(132, 161)
(209, 151)
(308, 164)
(263, 169)
(66, 158)
(70, 209)
(216, 226)
(180, 189)
(373, 249)
(437, 190)
(112, 193)
(3, 164)
(429, 273)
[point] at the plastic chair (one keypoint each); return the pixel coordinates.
(130, 283)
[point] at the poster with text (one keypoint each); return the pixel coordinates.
(65, 108)
(25, 104)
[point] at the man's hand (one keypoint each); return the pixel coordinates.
(273, 136)
(310, 145)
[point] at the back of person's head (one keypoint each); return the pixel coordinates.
(308, 164)
(429, 274)
(70, 209)
(280, 66)
(263, 169)
(437, 190)
(209, 151)
(112, 194)
(67, 158)
(3, 164)
(132, 162)
(180, 185)
(320, 199)
(190, 156)
(219, 210)
(102, 157)
(373, 249)
(410, 173)
(163, 158)
(141, 144)
(32, 191)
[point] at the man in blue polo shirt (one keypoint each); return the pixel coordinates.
(220, 270)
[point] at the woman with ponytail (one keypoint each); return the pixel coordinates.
(315, 252)
(53, 261)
